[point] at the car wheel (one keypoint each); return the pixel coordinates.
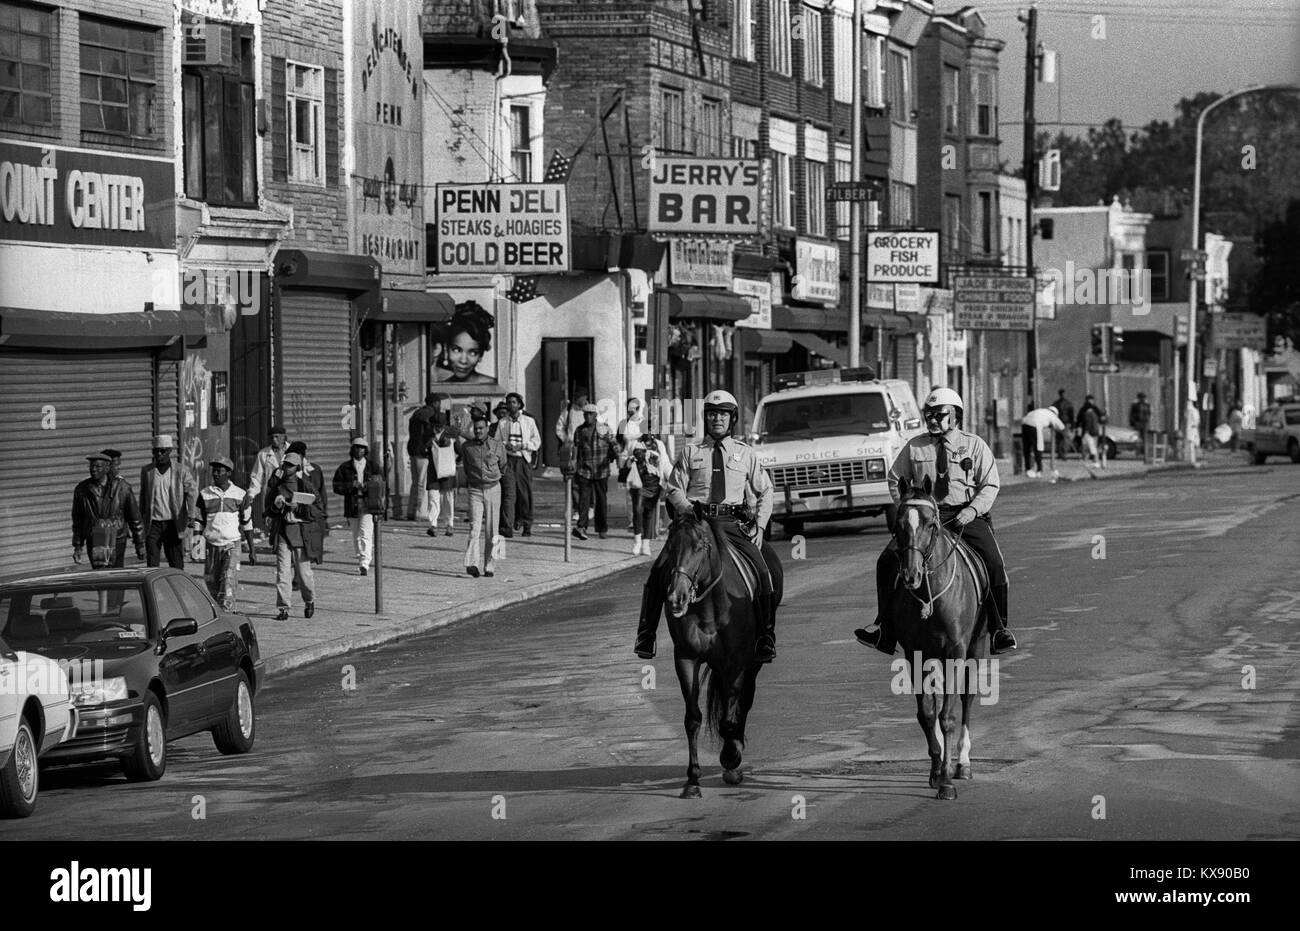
(1260, 457)
(1112, 451)
(148, 761)
(236, 732)
(1293, 450)
(792, 528)
(20, 779)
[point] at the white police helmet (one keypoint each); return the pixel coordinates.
(940, 396)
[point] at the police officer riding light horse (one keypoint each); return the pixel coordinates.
(720, 583)
(938, 589)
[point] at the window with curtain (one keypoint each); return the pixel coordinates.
(782, 190)
(951, 98)
(842, 53)
(815, 197)
(873, 68)
(521, 142)
(779, 35)
(709, 130)
(742, 29)
(812, 46)
(984, 117)
(671, 114)
(305, 92)
(899, 77)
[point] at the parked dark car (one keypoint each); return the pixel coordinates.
(173, 662)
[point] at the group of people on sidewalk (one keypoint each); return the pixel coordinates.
(1056, 422)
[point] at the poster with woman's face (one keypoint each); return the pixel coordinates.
(464, 348)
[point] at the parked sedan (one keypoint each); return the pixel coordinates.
(166, 661)
(36, 714)
(1276, 433)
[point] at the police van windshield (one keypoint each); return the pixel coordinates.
(822, 416)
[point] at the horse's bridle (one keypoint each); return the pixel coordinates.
(927, 604)
(697, 596)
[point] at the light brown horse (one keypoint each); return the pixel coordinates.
(712, 619)
(940, 615)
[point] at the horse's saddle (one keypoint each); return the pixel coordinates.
(975, 564)
(741, 557)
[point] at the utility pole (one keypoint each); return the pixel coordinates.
(1030, 170)
(855, 206)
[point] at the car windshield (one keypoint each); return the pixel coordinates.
(821, 416)
(52, 617)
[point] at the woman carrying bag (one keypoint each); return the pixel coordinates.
(648, 468)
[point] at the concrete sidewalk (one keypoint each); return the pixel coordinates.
(425, 585)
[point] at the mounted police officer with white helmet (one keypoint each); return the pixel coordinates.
(722, 475)
(965, 478)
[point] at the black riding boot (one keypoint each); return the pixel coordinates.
(1003, 640)
(882, 636)
(648, 626)
(765, 649)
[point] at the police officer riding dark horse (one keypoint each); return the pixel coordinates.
(964, 476)
(718, 475)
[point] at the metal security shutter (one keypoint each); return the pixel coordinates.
(97, 401)
(905, 358)
(168, 393)
(316, 361)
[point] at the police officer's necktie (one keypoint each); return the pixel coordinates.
(718, 486)
(941, 471)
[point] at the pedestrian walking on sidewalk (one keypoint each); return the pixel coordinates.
(420, 430)
(485, 459)
(167, 497)
(268, 460)
(351, 481)
(222, 516)
(1031, 436)
(594, 442)
(442, 487)
(1064, 410)
(645, 481)
(625, 435)
(311, 478)
(102, 508)
(1139, 418)
(1090, 419)
(570, 419)
(518, 431)
(288, 523)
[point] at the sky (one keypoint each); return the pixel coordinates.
(1139, 59)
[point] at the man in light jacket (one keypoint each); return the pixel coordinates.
(167, 497)
(1031, 436)
(518, 431)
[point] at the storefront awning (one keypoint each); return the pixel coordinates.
(888, 320)
(810, 319)
(764, 342)
(699, 304)
(824, 349)
(53, 329)
(300, 268)
(413, 307)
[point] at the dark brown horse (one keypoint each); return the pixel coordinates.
(940, 620)
(713, 623)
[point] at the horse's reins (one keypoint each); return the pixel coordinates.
(927, 605)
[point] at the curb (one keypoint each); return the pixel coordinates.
(400, 630)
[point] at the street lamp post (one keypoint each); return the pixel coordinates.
(1193, 373)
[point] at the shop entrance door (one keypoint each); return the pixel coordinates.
(567, 368)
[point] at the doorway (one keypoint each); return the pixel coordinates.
(567, 368)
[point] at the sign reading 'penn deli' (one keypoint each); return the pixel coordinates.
(704, 195)
(516, 229)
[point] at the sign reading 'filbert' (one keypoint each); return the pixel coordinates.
(704, 195)
(516, 229)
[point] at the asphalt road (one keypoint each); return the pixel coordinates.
(1126, 695)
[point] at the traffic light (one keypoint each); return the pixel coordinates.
(1099, 341)
(1116, 342)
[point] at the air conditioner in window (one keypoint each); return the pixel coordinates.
(208, 43)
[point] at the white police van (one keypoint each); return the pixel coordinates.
(827, 439)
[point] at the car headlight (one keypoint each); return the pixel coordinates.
(100, 693)
(875, 467)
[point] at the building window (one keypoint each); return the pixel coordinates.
(951, 226)
(521, 143)
(219, 117)
(899, 90)
(742, 29)
(843, 216)
(709, 128)
(815, 195)
(873, 68)
(812, 46)
(984, 116)
(305, 92)
(1158, 265)
(842, 55)
(984, 222)
(782, 190)
(671, 134)
(744, 148)
(25, 62)
(951, 99)
(118, 78)
(902, 203)
(1047, 228)
(779, 17)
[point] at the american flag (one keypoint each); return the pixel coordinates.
(523, 290)
(557, 172)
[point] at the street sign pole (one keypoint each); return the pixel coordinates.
(379, 561)
(568, 517)
(855, 205)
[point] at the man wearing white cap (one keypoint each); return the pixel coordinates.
(222, 517)
(350, 482)
(167, 498)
